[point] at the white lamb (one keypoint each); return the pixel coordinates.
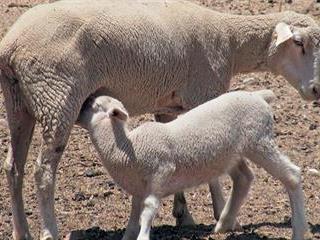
(159, 159)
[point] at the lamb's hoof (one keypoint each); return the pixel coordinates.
(185, 220)
(47, 238)
(227, 227)
(26, 236)
(46, 235)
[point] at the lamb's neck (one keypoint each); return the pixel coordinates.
(250, 38)
(110, 138)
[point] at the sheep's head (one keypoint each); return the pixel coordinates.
(98, 108)
(293, 55)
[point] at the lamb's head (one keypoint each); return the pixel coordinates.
(96, 109)
(292, 54)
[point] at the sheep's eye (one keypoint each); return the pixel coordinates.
(300, 44)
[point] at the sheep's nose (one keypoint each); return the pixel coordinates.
(316, 91)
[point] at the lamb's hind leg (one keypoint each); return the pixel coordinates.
(21, 126)
(180, 209)
(54, 139)
(279, 166)
(241, 177)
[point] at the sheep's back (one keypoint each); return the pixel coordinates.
(138, 50)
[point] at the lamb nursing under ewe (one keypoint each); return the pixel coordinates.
(158, 159)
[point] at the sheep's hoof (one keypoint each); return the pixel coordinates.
(185, 220)
(74, 235)
(237, 227)
(129, 235)
(227, 227)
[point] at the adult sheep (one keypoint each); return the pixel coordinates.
(162, 57)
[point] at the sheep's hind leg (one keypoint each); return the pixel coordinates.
(241, 177)
(133, 226)
(150, 208)
(21, 134)
(21, 130)
(54, 139)
(180, 210)
(280, 167)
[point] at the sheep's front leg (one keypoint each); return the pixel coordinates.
(150, 208)
(52, 147)
(180, 210)
(132, 229)
(218, 201)
(241, 177)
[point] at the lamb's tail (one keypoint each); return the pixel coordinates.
(266, 94)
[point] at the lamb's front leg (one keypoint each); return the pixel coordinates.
(151, 205)
(133, 227)
(180, 209)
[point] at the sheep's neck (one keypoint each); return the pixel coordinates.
(250, 38)
(111, 141)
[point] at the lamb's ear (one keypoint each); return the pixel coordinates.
(118, 113)
(284, 33)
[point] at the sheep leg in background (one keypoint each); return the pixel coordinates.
(21, 130)
(133, 227)
(218, 201)
(180, 209)
(279, 166)
(241, 177)
(151, 205)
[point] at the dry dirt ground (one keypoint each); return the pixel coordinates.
(87, 199)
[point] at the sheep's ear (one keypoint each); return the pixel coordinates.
(284, 33)
(118, 113)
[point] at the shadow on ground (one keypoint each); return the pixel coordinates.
(315, 228)
(197, 232)
(163, 232)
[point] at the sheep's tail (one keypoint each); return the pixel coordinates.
(266, 94)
